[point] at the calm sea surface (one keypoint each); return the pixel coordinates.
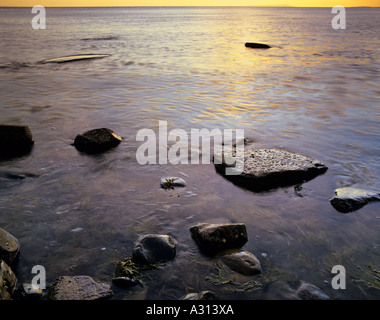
(316, 92)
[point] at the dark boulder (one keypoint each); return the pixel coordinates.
(255, 45)
(154, 248)
(265, 169)
(15, 140)
(214, 238)
(97, 140)
(241, 261)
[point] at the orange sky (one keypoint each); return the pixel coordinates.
(296, 3)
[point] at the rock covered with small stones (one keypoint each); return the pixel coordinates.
(264, 169)
(97, 140)
(79, 288)
(9, 247)
(154, 248)
(214, 238)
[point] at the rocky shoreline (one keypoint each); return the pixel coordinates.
(263, 169)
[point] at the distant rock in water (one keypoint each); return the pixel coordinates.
(154, 248)
(75, 58)
(97, 140)
(171, 182)
(257, 45)
(105, 38)
(214, 238)
(15, 140)
(264, 169)
(350, 199)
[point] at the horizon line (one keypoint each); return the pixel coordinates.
(184, 6)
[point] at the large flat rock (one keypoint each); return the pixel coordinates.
(79, 288)
(265, 169)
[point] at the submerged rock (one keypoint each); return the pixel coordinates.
(350, 199)
(265, 169)
(213, 238)
(154, 248)
(9, 247)
(203, 295)
(97, 140)
(171, 182)
(15, 140)
(7, 281)
(257, 45)
(241, 261)
(307, 291)
(125, 282)
(79, 288)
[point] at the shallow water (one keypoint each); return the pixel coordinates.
(314, 92)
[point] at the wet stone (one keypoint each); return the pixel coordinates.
(7, 281)
(154, 248)
(350, 199)
(79, 288)
(171, 182)
(9, 247)
(241, 261)
(97, 140)
(15, 140)
(256, 45)
(214, 238)
(308, 291)
(203, 295)
(265, 169)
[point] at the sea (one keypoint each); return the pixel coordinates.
(314, 92)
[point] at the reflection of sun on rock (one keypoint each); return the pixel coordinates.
(75, 58)
(97, 140)
(265, 169)
(351, 199)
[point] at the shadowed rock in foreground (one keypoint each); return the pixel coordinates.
(255, 45)
(350, 199)
(97, 140)
(265, 169)
(7, 281)
(15, 140)
(9, 247)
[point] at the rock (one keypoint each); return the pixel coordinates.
(351, 199)
(9, 247)
(308, 291)
(154, 248)
(213, 238)
(15, 140)
(7, 281)
(97, 140)
(171, 182)
(265, 169)
(32, 293)
(125, 282)
(241, 261)
(75, 58)
(79, 288)
(257, 45)
(203, 295)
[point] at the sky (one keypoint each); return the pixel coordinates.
(109, 3)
